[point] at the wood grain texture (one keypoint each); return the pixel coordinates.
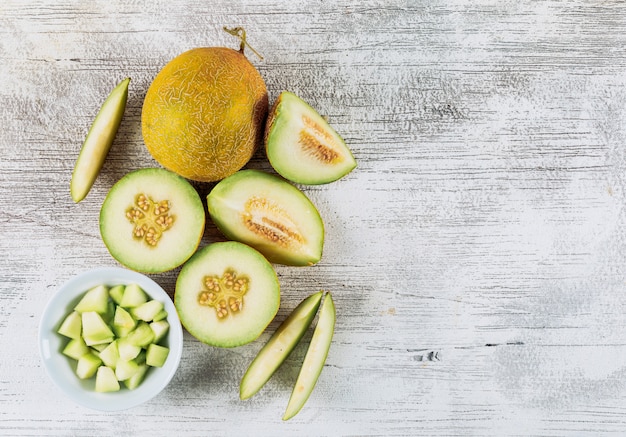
(477, 255)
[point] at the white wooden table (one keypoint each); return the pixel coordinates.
(477, 254)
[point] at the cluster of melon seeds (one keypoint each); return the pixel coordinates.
(317, 142)
(225, 293)
(268, 220)
(150, 218)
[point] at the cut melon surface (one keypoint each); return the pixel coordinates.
(87, 366)
(106, 381)
(270, 214)
(156, 355)
(314, 359)
(96, 299)
(279, 346)
(227, 294)
(98, 142)
(75, 348)
(302, 146)
(95, 329)
(136, 379)
(152, 220)
(71, 326)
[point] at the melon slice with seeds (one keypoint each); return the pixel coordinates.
(270, 214)
(302, 146)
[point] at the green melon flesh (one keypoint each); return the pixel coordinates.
(176, 243)
(156, 355)
(95, 330)
(269, 214)
(127, 350)
(279, 346)
(110, 355)
(125, 369)
(87, 366)
(159, 328)
(71, 326)
(302, 146)
(96, 299)
(98, 142)
(201, 316)
(106, 381)
(314, 359)
(134, 381)
(75, 348)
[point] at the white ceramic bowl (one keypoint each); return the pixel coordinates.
(60, 368)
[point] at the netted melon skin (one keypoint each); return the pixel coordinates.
(204, 114)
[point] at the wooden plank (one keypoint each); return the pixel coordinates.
(476, 255)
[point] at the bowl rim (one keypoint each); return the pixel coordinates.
(63, 376)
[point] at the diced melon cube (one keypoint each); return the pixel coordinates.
(99, 347)
(133, 296)
(134, 381)
(110, 355)
(91, 341)
(127, 350)
(87, 366)
(160, 316)
(125, 369)
(142, 335)
(141, 357)
(106, 381)
(156, 355)
(123, 322)
(108, 316)
(95, 330)
(95, 299)
(71, 326)
(76, 348)
(117, 293)
(147, 311)
(160, 329)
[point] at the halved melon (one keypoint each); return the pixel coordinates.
(227, 294)
(152, 220)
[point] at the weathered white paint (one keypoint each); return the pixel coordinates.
(477, 254)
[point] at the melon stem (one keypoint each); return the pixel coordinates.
(240, 33)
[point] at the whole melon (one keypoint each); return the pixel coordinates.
(204, 114)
